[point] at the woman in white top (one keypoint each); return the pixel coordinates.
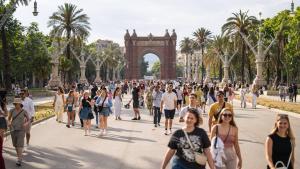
(58, 104)
(117, 103)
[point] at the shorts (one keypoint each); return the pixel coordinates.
(136, 104)
(17, 138)
(3, 124)
(179, 102)
(169, 114)
(28, 128)
(104, 112)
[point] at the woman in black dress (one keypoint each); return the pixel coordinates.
(280, 144)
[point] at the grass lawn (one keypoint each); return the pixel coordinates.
(286, 106)
(43, 111)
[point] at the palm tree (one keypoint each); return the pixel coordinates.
(114, 55)
(186, 47)
(6, 10)
(240, 22)
(68, 22)
(202, 36)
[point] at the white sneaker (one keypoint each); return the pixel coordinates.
(101, 132)
(170, 131)
(104, 132)
(166, 132)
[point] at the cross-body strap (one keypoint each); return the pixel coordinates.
(217, 132)
(188, 139)
(16, 116)
(227, 135)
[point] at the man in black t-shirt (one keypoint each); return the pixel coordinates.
(135, 101)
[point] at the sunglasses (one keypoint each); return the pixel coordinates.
(227, 115)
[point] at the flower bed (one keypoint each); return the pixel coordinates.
(286, 106)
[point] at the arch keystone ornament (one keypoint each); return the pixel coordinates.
(162, 46)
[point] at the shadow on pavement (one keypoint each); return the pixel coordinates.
(119, 138)
(39, 158)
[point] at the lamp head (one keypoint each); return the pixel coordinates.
(35, 12)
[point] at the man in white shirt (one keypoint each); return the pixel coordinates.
(29, 107)
(192, 104)
(168, 104)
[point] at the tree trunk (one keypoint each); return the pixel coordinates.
(220, 71)
(33, 80)
(243, 62)
(6, 60)
(68, 54)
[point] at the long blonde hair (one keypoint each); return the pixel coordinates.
(232, 122)
(289, 133)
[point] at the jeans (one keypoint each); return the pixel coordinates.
(157, 115)
(177, 164)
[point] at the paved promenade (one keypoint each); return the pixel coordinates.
(133, 144)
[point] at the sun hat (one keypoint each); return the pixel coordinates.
(17, 101)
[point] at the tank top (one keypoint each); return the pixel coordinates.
(281, 149)
(59, 99)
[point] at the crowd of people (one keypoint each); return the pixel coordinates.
(189, 147)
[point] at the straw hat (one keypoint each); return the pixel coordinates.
(17, 101)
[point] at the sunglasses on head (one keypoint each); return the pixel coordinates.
(227, 115)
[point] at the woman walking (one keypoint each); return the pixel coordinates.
(86, 112)
(70, 106)
(149, 100)
(18, 120)
(3, 128)
(117, 103)
(104, 103)
(186, 141)
(227, 131)
(280, 144)
(58, 104)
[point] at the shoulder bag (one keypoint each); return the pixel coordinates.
(200, 158)
(101, 107)
(282, 163)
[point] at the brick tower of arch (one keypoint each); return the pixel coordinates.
(162, 46)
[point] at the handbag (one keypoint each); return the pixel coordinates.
(282, 164)
(101, 107)
(200, 158)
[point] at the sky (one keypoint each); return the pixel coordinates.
(109, 19)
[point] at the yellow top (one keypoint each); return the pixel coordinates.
(215, 108)
(199, 95)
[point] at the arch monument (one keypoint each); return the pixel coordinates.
(162, 46)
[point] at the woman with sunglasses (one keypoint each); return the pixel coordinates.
(183, 150)
(280, 144)
(227, 131)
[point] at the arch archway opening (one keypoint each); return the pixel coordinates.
(150, 66)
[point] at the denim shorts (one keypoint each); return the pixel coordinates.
(105, 111)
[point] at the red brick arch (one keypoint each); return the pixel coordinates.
(162, 46)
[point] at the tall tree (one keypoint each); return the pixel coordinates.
(69, 22)
(6, 11)
(187, 47)
(202, 37)
(240, 22)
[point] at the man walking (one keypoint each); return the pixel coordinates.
(168, 103)
(157, 95)
(216, 108)
(135, 99)
(193, 103)
(28, 106)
